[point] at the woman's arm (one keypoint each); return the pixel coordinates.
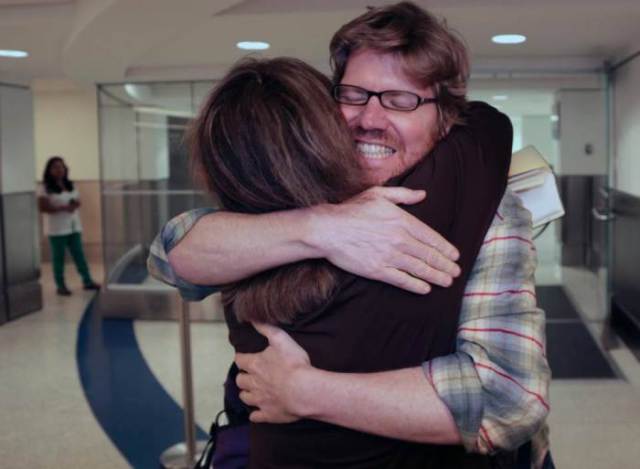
(45, 206)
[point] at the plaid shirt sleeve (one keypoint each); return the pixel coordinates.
(158, 263)
(496, 384)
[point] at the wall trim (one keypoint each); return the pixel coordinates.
(625, 61)
(14, 85)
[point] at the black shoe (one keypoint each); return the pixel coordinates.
(63, 291)
(92, 286)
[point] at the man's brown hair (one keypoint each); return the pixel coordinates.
(268, 138)
(432, 54)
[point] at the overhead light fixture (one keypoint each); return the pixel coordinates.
(138, 91)
(16, 54)
(253, 45)
(163, 111)
(509, 39)
(500, 97)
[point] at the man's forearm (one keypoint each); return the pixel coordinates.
(399, 404)
(225, 247)
(368, 235)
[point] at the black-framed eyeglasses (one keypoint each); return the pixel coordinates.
(395, 100)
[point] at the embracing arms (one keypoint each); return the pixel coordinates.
(45, 206)
(461, 398)
(368, 235)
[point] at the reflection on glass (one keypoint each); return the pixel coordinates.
(564, 117)
(146, 178)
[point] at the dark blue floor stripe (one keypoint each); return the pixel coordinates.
(130, 404)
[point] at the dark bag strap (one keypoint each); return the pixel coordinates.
(209, 450)
(236, 412)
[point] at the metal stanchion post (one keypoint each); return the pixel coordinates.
(184, 455)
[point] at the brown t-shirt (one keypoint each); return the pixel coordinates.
(370, 326)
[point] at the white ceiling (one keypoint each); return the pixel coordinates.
(129, 40)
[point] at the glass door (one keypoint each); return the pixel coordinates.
(564, 116)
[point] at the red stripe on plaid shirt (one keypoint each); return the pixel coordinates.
(504, 292)
(485, 433)
(506, 376)
(507, 238)
(503, 331)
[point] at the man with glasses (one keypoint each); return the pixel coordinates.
(401, 81)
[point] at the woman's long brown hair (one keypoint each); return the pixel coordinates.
(270, 137)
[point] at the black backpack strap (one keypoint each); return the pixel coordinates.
(209, 450)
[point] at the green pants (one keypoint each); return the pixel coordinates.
(59, 244)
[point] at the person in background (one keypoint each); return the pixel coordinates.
(59, 201)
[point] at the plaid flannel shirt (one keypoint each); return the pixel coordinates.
(496, 384)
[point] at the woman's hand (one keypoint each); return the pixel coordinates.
(268, 379)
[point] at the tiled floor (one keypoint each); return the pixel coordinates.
(47, 423)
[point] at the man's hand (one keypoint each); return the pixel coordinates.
(266, 380)
(370, 236)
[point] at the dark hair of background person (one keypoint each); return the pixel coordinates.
(433, 54)
(50, 184)
(270, 137)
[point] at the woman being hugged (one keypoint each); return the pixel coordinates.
(59, 201)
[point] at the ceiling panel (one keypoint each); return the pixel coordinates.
(113, 40)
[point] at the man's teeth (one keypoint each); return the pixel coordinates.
(372, 150)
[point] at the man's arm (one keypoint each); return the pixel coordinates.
(45, 206)
(401, 404)
(368, 235)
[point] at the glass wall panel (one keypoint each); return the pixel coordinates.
(145, 172)
(564, 116)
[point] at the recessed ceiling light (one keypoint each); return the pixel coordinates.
(509, 39)
(16, 54)
(500, 97)
(252, 45)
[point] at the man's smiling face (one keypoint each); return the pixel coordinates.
(389, 142)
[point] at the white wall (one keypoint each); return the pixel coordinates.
(582, 124)
(536, 131)
(16, 140)
(626, 134)
(66, 124)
